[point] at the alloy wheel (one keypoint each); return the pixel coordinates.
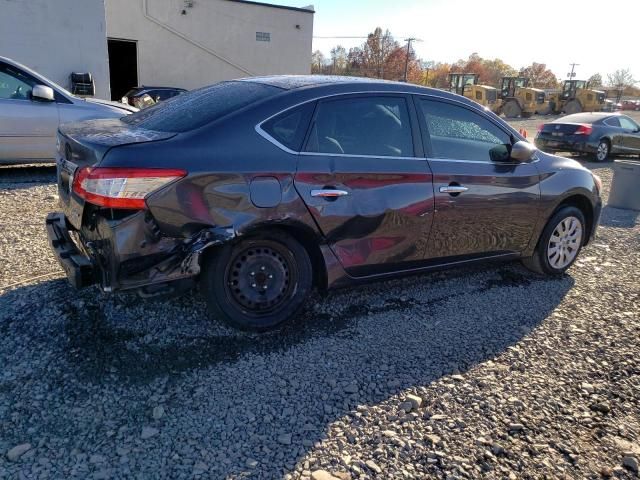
(564, 243)
(602, 152)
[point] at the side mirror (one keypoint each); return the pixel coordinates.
(522, 151)
(42, 93)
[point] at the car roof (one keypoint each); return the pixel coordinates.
(585, 117)
(295, 82)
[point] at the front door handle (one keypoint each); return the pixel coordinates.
(453, 189)
(328, 193)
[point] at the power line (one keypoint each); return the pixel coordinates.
(344, 36)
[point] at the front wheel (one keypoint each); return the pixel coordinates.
(258, 283)
(559, 244)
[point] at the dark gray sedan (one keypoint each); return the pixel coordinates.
(599, 134)
(265, 188)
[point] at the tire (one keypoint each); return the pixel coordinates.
(546, 110)
(553, 257)
(602, 152)
(512, 109)
(572, 107)
(527, 114)
(258, 283)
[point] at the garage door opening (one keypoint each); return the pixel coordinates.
(123, 66)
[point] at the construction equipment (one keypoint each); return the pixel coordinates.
(466, 84)
(521, 100)
(577, 96)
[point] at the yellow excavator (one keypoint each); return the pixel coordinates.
(576, 96)
(521, 100)
(466, 84)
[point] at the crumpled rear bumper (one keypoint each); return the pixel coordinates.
(79, 268)
(130, 253)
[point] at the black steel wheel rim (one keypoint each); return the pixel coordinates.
(260, 279)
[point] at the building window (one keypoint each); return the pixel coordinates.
(263, 37)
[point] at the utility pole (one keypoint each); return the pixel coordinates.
(571, 74)
(406, 62)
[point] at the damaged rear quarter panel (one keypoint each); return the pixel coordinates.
(222, 160)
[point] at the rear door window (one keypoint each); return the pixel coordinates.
(612, 122)
(290, 127)
(196, 108)
(456, 132)
(372, 126)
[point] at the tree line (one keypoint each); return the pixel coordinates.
(382, 56)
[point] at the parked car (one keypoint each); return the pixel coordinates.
(31, 109)
(143, 97)
(261, 189)
(599, 134)
(630, 105)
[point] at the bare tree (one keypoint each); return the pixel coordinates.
(595, 80)
(318, 61)
(621, 78)
(339, 60)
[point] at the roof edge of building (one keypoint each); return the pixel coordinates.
(271, 5)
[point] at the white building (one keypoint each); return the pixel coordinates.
(56, 38)
(181, 43)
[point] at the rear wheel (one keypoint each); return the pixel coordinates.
(559, 244)
(258, 283)
(573, 106)
(512, 109)
(602, 152)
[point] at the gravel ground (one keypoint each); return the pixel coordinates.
(484, 372)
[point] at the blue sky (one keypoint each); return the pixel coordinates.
(588, 33)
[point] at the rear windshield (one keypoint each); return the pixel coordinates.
(197, 108)
(132, 92)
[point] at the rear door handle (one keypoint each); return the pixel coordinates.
(453, 189)
(328, 193)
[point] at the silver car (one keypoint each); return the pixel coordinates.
(31, 109)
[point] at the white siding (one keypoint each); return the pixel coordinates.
(57, 37)
(215, 40)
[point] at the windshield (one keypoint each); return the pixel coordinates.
(194, 109)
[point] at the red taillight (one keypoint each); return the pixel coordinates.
(540, 127)
(121, 187)
(584, 129)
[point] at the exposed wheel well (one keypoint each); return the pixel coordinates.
(584, 205)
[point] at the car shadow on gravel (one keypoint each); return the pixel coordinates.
(350, 348)
(100, 344)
